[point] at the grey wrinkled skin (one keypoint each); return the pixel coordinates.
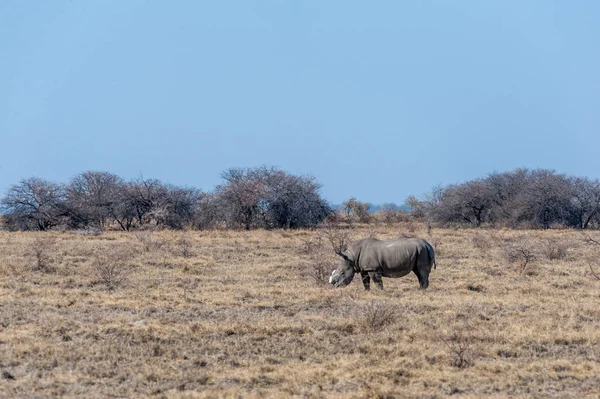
(374, 259)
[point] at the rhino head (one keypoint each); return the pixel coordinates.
(344, 274)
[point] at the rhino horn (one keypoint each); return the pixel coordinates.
(343, 255)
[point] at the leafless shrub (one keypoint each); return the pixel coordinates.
(554, 249)
(148, 241)
(319, 259)
(376, 315)
(480, 241)
(185, 247)
(310, 244)
(390, 213)
(112, 268)
(338, 238)
(520, 252)
(41, 250)
(374, 230)
(89, 231)
(592, 241)
(460, 348)
(320, 272)
(355, 209)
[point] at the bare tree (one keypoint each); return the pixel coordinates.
(124, 207)
(148, 198)
(92, 198)
(390, 213)
(418, 208)
(546, 199)
(585, 200)
(293, 201)
(469, 202)
(34, 204)
(505, 190)
(270, 198)
(210, 212)
(241, 194)
(354, 208)
(181, 206)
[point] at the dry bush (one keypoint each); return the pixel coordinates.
(593, 241)
(554, 249)
(481, 241)
(338, 238)
(376, 315)
(390, 214)
(41, 249)
(374, 230)
(89, 231)
(460, 348)
(185, 247)
(520, 252)
(320, 261)
(111, 267)
(148, 240)
(407, 229)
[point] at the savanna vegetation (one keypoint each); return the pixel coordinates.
(225, 313)
(270, 198)
(522, 198)
(248, 198)
(140, 288)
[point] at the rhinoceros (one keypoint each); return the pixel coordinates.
(374, 258)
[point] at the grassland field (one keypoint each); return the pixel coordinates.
(247, 314)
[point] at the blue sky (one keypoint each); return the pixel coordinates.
(377, 100)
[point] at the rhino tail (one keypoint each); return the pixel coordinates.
(431, 253)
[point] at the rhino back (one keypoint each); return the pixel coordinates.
(393, 258)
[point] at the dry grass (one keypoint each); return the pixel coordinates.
(237, 314)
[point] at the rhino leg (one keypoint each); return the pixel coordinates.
(366, 280)
(423, 277)
(377, 279)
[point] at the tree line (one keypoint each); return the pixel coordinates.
(521, 198)
(267, 197)
(248, 198)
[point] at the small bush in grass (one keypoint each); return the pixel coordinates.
(407, 229)
(148, 241)
(591, 262)
(376, 315)
(185, 247)
(41, 249)
(111, 267)
(480, 241)
(520, 252)
(320, 259)
(89, 231)
(460, 347)
(554, 249)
